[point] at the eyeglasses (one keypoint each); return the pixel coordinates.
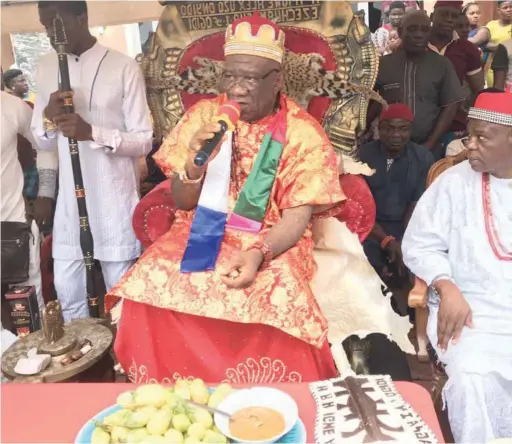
(248, 82)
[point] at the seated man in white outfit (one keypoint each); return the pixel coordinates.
(459, 240)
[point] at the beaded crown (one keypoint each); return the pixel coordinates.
(255, 35)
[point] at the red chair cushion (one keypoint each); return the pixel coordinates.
(298, 40)
(359, 209)
(154, 214)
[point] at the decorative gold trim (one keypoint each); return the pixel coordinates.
(264, 371)
(264, 44)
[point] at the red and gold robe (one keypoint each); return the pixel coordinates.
(276, 322)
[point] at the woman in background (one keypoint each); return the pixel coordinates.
(479, 35)
(499, 32)
(381, 36)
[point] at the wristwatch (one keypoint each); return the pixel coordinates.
(266, 251)
(440, 277)
(185, 179)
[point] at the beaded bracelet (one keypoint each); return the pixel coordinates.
(385, 242)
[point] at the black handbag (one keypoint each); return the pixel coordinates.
(15, 259)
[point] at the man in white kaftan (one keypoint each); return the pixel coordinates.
(113, 127)
(459, 240)
(16, 116)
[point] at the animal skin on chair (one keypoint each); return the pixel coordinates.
(330, 75)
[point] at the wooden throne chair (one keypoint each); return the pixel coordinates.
(332, 77)
(330, 70)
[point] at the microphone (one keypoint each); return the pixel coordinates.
(228, 116)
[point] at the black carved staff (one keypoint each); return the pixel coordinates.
(367, 410)
(86, 241)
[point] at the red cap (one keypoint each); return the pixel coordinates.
(498, 102)
(396, 111)
(256, 20)
(449, 4)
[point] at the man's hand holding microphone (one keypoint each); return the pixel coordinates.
(241, 270)
(206, 142)
(203, 135)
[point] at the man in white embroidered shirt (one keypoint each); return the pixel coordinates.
(459, 240)
(113, 127)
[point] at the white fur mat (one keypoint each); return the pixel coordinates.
(350, 293)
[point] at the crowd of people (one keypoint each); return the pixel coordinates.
(230, 282)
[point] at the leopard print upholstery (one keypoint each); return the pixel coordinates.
(344, 93)
(305, 78)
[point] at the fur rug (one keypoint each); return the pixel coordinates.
(350, 293)
(305, 78)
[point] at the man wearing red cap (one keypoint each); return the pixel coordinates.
(400, 172)
(463, 54)
(225, 294)
(401, 168)
(459, 240)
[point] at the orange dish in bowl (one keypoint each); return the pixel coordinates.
(258, 415)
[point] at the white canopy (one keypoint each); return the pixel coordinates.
(19, 16)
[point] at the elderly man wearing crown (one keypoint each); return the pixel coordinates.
(459, 240)
(225, 294)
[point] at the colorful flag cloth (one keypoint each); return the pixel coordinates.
(209, 222)
(252, 204)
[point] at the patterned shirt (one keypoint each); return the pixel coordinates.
(426, 85)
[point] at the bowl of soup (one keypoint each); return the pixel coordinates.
(258, 415)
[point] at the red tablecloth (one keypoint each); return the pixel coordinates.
(42, 413)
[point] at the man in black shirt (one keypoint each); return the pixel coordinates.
(401, 169)
(423, 80)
